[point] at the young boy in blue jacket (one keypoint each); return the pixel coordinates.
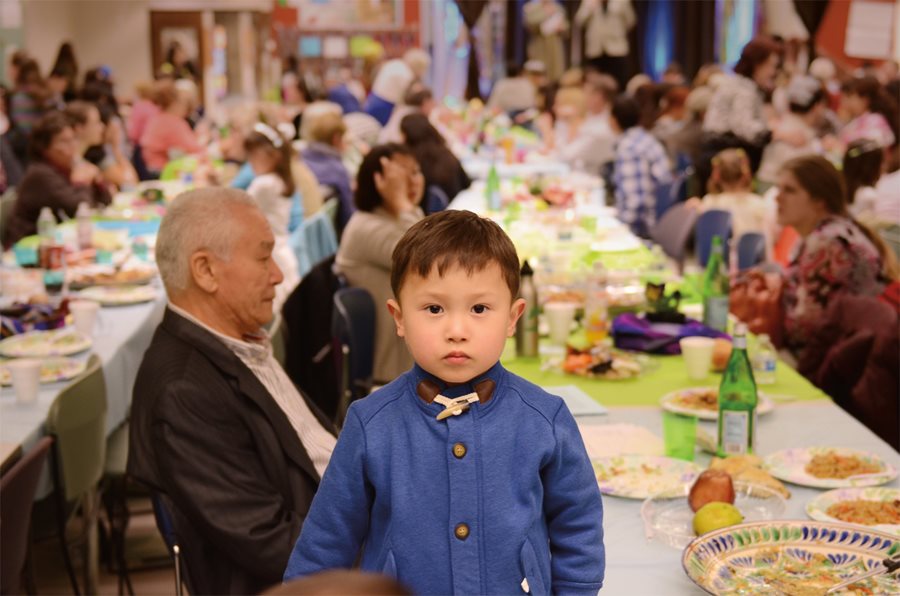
(458, 477)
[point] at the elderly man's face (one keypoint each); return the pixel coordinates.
(247, 280)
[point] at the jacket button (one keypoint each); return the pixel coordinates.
(459, 451)
(461, 531)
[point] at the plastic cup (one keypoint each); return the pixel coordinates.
(559, 319)
(679, 435)
(84, 315)
(697, 353)
(26, 378)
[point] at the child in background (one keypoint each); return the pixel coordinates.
(270, 154)
(458, 477)
(862, 169)
(729, 189)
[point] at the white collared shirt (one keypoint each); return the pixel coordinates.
(257, 355)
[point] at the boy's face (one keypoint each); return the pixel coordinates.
(456, 325)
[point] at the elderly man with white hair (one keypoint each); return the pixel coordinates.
(218, 431)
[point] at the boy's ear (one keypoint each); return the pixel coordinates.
(394, 308)
(515, 311)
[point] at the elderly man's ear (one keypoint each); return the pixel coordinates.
(203, 271)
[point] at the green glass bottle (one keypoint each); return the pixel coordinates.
(737, 401)
(715, 288)
(492, 188)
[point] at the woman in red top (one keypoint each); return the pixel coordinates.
(168, 131)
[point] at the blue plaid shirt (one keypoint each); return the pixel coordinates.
(641, 166)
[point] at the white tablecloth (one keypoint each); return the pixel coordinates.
(635, 566)
(122, 336)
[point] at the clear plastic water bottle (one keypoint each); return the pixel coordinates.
(765, 361)
(85, 226)
(46, 224)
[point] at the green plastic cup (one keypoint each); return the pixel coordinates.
(679, 435)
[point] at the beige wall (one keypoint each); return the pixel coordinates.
(111, 32)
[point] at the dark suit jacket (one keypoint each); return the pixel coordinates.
(207, 434)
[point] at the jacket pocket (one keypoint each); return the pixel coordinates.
(390, 565)
(531, 570)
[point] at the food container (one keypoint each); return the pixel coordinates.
(668, 517)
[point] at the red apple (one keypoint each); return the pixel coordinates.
(711, 486)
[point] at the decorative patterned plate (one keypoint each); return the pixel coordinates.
(642, 476)
(39, 344)
(119, 295)
(688, 401)
(53, 370)
(790, 465)
(789, 557)
(888, 497)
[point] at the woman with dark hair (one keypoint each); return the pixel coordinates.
(862, 169)
(54, 178)
(178, 64)
(873, 112)
(270, 156)
(837, 255)
(389, 188)
(67, 66)
(439, 166)
(735, 116)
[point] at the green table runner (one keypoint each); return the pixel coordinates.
(646, 390)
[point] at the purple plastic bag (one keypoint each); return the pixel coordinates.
(631, 332)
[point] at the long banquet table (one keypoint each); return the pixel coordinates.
(803, 417)
(122, 336)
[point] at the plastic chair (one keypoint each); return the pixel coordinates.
(714, 222)
(751, 250)
(435, 200)
(77, 422)
(7, 203)
(353, 326)
(17, 490)
(166, 527)
(115, 499)
(673, 231)
(315, 239)
(665, 198)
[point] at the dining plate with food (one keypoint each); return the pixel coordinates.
(790, 557)
(40, 344)
(602, 362)
(703, 402)
(119, 295)
(109, 276)
(829, 467)
(53, 370)
(642, 476)
(874, 507)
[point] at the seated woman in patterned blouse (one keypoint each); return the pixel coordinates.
(836, 255)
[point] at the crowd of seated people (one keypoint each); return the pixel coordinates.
(806, 157)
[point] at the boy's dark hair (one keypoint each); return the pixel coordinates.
(451, 238)
(626, 112)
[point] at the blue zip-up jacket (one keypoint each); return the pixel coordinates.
(473, 504)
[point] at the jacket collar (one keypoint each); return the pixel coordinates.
(232, 367)
(428, 386)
